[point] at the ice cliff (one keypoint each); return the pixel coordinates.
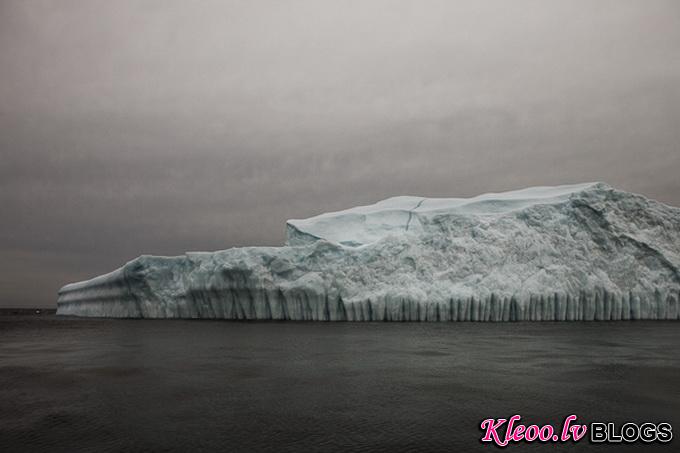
(577, 252)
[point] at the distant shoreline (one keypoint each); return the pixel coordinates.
(38, 311)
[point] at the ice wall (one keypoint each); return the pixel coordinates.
(583, 252)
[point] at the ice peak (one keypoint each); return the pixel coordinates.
(400, 214)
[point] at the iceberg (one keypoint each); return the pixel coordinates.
(565, 253)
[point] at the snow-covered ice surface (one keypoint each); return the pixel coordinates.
(577, 252)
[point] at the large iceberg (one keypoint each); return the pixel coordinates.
(576, 252)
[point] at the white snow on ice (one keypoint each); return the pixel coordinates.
(366, 224)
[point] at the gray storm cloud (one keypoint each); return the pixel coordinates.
(164, 126)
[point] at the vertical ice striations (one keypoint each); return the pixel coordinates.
(566, 253)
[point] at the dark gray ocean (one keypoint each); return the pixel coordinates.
(71, 385)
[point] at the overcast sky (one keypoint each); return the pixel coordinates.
(164, 126)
